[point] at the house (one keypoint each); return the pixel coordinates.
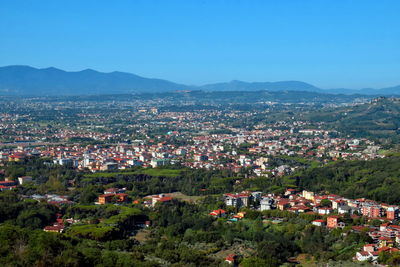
(383, 227)
(164, 199)
(388, 249)
(218, 213)
(364, 256)
(57, 227)
(231, 258)
(337, 203)
(324, 210)
(240, 215)
(105, 199)
(319, 223)
(290, 191)
(7, 185)
(109, 198)
(308, 195)
(24, 179)
(266, 203)
(317, 199)
(256, 195)
(54, 228)
(385, 241)
(372, 211)
(159, 198)
(282, 204)
(114, 190)
(392, 213)
(369, 247)
(346, 209)
(237, 200)
(159, 162)
(369, 252)
(200, 157)
(332, 221)
(19, 156)
(299, 208)
(109, 166)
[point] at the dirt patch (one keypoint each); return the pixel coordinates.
(142, 235)
(306, 260)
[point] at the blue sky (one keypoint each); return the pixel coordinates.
(331, 44)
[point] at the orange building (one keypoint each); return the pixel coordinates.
(332, 221)
(109, 198)
(392, 213)
(121, 197)
(104, 199)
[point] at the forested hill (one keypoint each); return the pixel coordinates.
(376, 179)
(379, 119)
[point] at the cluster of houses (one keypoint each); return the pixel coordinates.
(57, 227)
(307, 201)
(152, 200)
(53, 199)
(9, 184)
(215, 151)
(385, 237)
(218, 213)
(332, 209)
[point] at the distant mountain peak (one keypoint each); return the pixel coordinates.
(88, 70)
(27, 80)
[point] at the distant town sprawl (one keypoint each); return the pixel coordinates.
(112, 135)
(157, 181)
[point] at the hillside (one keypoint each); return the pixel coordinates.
(377, 179)
(257, 86)
(379, 118)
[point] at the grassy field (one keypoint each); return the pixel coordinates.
(161, 172)
(151, 172)
(183, 197)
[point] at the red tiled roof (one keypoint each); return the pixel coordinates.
(389, 249)
(165, 199)
(364, 253)
(230, 257)
(219, 211)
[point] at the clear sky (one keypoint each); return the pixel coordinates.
(331, 44)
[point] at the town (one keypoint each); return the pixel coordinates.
(199, 133)
(101, 179)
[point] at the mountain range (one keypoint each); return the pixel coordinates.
(26, 80)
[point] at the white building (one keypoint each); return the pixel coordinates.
(24, 179)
